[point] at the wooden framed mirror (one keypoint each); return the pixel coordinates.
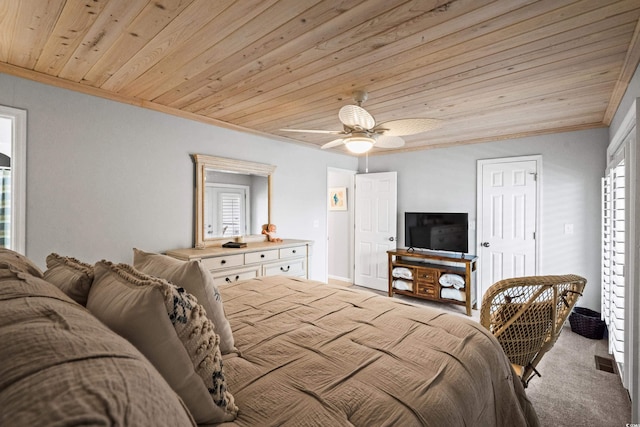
(232, 199)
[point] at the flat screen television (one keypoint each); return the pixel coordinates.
(438, 231)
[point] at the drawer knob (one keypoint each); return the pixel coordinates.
(237, 278)
(227, 280)
(261, 255)
(293, 251)
(224, 261)
(285, 269)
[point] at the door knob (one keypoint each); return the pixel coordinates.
(391, 239)
(485, 244)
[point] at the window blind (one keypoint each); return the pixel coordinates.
(230, 213)
(5, 207)
(606, 249)
(613, 258)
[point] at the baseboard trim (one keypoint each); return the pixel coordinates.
(342, 279)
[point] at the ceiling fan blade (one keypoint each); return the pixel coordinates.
(354, 116)
(386, 141)
(333, 132)
(407, 126)
(333, 143)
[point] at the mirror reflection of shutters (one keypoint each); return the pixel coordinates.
(231, 206)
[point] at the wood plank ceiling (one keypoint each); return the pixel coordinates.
(489, 70)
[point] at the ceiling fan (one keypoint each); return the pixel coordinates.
(360, 132)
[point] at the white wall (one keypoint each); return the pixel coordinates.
(573, 163)
(104, 177)
(632, 92)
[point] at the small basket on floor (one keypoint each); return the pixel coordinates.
(587, 323)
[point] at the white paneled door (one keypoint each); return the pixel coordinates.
(376, 225)
(507, 219)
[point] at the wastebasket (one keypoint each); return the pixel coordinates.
(587, 323)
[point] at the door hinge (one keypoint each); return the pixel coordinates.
(534, 235)
(535, 175)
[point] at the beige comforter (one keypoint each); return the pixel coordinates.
(59, 366)
(318, 355)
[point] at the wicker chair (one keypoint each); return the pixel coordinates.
(526, 315)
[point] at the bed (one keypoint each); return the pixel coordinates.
(316, 354)
(282, 351)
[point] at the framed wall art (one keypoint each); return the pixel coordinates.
(338, 199)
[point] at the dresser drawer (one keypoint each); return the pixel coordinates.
(295, 251)
(224, 261)
(427, 275)
(223, 278)
(427, 289)
(296, 267)
(262, 256)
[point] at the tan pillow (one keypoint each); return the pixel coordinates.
(197, 280)
(71, 276)
(168, 326)
(9, 258)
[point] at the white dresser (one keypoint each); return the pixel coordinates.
(227, 265)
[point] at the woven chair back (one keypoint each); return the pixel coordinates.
(526, 315)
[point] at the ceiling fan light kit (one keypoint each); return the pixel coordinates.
(361, 133)
(359, 144)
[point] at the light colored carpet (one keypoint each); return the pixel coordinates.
(571, 391)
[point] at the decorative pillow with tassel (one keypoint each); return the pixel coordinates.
(172, 330)
(70, 275)
(197, 280)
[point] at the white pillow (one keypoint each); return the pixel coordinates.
(452, 280)
(197, 280)
(171, 329)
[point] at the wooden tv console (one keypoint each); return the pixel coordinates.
(427, 267)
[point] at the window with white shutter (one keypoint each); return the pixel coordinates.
(606, 248)
(613, 258)
(231, 214)
(621, 252)
(226, 210)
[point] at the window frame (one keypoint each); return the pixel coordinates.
(18, 118)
